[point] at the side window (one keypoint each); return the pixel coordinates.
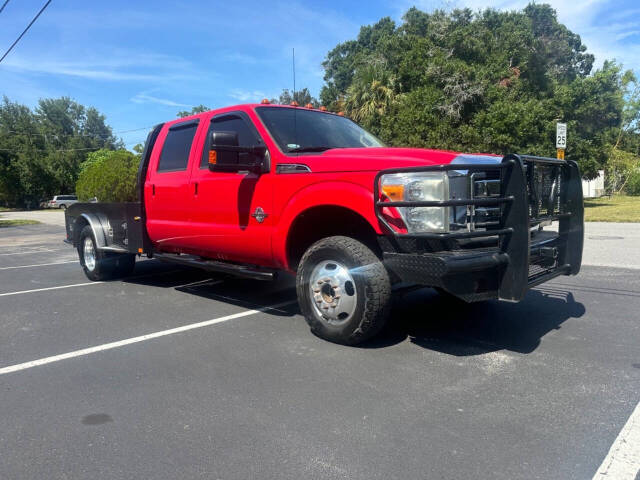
(247, 137)
(175, 151)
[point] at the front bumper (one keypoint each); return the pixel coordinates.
(506, 259)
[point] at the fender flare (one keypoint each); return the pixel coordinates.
(97, 226)
(351, 196)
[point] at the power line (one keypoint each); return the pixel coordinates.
(25, 30)
(3, 5)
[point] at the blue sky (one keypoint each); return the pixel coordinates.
(141, 62)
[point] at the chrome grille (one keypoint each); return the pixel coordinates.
(543, 188)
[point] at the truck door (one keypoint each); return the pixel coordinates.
(230, 215)
(167, 189)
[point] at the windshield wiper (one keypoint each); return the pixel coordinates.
(317, 148)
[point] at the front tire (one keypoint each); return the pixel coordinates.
(343, 290)
(98, 265)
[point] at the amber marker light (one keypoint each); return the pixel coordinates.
(308, 105)
(323, 108)
(265, 101)
(341, 114)
(213, 157)
(139, 250)
(294, 104)
(395, 193)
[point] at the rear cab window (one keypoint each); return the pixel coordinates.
(176, 148)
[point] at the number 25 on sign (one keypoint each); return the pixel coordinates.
(561, 139)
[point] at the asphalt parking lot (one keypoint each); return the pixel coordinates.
(123, 380)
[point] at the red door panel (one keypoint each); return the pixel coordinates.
(168, 194)
(222, 225)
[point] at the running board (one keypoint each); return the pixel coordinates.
(244, 271)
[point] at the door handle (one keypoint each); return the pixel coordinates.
(195, 188)
(153, 189)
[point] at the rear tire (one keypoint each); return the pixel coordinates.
(63, 207)
(343, 290)
(98, 265)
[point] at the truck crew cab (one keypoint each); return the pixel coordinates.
(252, 190)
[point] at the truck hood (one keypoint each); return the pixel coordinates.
(382, 158)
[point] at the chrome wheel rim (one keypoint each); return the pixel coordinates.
(89, 254)
(333, 292)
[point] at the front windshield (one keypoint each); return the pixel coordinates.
(296, 130)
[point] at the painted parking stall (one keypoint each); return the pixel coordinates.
(200, 374)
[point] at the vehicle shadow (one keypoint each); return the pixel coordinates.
(446, 325)
(424, 317)
(245, 293)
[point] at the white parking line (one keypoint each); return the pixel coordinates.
(38, 265)
(141, 338)
(84, 284)
(623, 460)
(44, 250)
(49, 288)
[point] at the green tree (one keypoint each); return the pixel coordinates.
(199, 109)
(109, 176)
(483, 81)
(303, 97)
(41, 151)
(138, 148)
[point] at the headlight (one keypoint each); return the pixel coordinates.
(419, 187)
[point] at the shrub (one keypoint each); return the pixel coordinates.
(633, 184)
(108, 175)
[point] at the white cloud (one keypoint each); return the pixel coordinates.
(116, 66)
(145, 98)
(247, 95)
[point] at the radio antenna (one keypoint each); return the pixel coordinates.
(295, 110)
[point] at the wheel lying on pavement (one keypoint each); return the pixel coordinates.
(99, 265)
(343, 290)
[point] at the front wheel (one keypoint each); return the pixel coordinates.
(343, 290)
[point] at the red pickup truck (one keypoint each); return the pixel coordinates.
(253, 190)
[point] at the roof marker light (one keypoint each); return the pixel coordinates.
(294, 104)
(265, 101)
(308, 105)
(341, 114)
(323, 108)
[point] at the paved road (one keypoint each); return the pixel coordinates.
(539, 389)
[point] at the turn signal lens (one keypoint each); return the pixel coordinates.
(294, 104)
(265, 101)
(213, 157)
(395, 193)
(308, 105)
(323, 108)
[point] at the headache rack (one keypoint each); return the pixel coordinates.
(506, 202)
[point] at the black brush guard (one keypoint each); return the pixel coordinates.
(533, 191)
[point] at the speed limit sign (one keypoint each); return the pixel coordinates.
(561, 135)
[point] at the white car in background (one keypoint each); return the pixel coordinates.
(62, 201)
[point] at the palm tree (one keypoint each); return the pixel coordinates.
(371, 94)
